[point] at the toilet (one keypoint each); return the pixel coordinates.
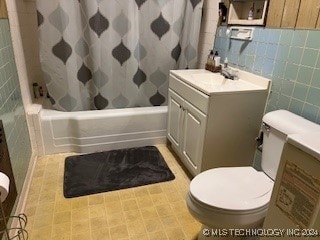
(238, 197)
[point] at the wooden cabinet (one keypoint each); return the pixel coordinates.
(300, 14)
(308, 14)
(3, 9)
(239, 12)
(290, 13)
(217, 129)
(275, 13)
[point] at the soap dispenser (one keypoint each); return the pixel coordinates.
(210, 65)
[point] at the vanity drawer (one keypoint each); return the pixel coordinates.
(190, 94)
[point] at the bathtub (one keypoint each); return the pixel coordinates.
(91, 131)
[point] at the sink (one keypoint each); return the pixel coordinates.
(209, 78)
(209, 83)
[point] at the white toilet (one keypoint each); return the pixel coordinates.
(238, 197)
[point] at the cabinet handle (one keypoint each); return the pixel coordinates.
(194, 119)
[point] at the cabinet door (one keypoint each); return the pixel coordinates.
(290, 13)
(194, 126)
(275, 13)
(308, 14)
(175, 112)
(3, 9)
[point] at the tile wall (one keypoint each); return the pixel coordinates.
(24, 32)
(208, 29)
(290, 58)
(11, 108)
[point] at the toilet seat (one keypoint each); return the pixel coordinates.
(232, 189)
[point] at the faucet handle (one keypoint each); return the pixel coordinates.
(235, 74)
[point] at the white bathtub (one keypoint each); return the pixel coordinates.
(90, 131)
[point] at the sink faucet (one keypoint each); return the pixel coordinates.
(227, 74)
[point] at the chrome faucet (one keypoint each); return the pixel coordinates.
(227, 73)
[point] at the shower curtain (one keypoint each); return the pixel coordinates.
(100, 54)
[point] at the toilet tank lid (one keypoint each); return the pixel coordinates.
(289, 123)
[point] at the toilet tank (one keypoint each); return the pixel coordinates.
(277, 125)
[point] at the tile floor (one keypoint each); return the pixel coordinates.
(156, 211)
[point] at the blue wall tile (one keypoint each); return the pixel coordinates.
(11, 109)
(290, 58)
(309, 57)
(305, 75)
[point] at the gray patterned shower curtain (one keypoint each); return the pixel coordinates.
(100, 54)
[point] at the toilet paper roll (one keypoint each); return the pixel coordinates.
(4, 186)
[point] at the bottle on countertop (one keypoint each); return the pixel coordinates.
(225, 63)
(217, 59)
(210, 60)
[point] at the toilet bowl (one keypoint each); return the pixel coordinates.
(238, 197)
(235, 197)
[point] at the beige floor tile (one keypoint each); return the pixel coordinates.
(160, 235)
(62, 236)
(136, 228)
(140, 237)
(153, 225)
(175, 234)
(192, 230)
(144, 201)
(164, 210)
(173, 196)
(156, 211)
(126, 194)
(30, 210)
(43, 220)
(62, 205)
(62, 217)
(100, 234)
(111, 197)
(45, 208)
(79, 202)
(179, 207)
(96, 199)
(61, 229)
(119, 232)
(98, 223)
(141, 191)
(149, 212)
(97, 211)
(80, 214)
(113, 207)
(82, 236)
(130, 204)
(154, 189)
(132, 216)
(170, 221)
(41, 233)
(47, 196)
(80, 226)
(32, 200)
(159, 199)
(186, 218)
(116, 219)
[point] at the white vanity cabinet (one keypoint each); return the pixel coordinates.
(213, 122)
(186, 129)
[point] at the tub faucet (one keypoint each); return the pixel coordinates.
(229, 74)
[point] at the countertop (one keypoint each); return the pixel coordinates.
(209, 83)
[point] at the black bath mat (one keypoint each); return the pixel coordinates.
(114, 170)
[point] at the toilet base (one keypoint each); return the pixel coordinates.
(209, 233)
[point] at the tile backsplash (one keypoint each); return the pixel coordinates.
(11, 108)
(290, 58)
